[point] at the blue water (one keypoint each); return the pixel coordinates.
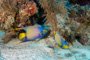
(1, 34)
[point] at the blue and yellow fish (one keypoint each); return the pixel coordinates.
(31, 33)
(60, 41)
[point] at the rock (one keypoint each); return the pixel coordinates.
(48, 42)
(68, 55)
(76, 44)
(83, 39)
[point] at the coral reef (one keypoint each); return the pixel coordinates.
(71, 20)
(16, 13)
(75, 25)
(51, 9)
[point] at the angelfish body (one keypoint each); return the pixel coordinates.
(60, 41)
(32, 33)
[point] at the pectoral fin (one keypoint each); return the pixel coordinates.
(17, 43)
(41, 34)
(59, 48)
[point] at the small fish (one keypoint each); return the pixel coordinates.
(62, 44)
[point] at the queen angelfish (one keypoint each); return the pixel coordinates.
(60, 41)
(31, 33)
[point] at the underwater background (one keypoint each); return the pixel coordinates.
(44, 30)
